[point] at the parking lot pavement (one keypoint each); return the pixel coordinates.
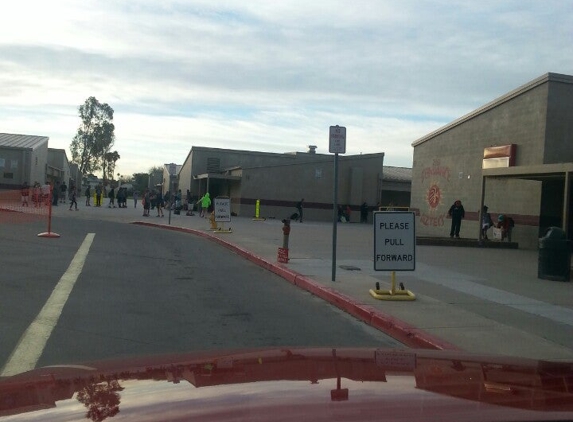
(477, 299)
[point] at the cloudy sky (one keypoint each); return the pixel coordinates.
(269, 75)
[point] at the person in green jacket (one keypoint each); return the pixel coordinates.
(205, 204)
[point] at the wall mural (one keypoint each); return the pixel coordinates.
(434, 216)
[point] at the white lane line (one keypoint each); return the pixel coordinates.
(33, 341)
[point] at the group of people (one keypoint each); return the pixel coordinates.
(154, 199)
(39, 195)
(344, 214)
(504, 223)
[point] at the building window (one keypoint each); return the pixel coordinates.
(8, 175)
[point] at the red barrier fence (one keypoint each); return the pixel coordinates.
(26, 205)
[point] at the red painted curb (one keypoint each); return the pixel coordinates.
(398, 329)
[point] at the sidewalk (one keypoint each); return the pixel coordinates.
(482, 300)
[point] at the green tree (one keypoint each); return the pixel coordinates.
(140, 181)
(95, 135)
(108, 163)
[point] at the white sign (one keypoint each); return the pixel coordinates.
(394, 241)
(222, 209)
(337, 142)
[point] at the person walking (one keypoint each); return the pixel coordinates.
(73, 198)
(88, 196)
(456, 213)
(205, 204)
(299, 209)
(135, 195)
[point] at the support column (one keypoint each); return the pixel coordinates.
(566, 201)
(481, 202)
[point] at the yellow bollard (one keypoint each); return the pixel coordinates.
(392, 294)
(258, 211)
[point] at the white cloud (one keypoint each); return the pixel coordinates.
(270, 76)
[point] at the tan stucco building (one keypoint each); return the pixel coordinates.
(279, 181)
(533, 186)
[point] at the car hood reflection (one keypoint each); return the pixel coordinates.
(295, 384)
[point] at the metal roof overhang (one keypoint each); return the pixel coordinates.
(215, 176)
(539, 172)
(536, 172)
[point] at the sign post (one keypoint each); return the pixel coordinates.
(336, 145)
(394, 250)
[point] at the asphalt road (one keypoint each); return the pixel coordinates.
(148, 291)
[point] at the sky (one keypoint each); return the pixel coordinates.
(266, 75)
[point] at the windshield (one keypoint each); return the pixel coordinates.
(199, 176)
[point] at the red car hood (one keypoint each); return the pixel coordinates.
(297, 385)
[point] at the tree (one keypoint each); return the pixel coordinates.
(101, 400)
(108, 163)
(140, 181)
(95, 135)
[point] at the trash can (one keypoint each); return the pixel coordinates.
(554, 256)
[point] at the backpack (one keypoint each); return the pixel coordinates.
(510, 222)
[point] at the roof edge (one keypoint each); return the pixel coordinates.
(548, 77)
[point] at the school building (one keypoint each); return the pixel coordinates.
(514, 154)
(279, 181)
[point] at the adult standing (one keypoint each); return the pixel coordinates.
(98, 195)
(135, 195)
(205, 204)
(55, 194)
(146, 203)
(111, 196)
(159, 203)
(364, 213)
(63, 190)
(188, 200)
(299, 209)
(88, 196)
(457, 213)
